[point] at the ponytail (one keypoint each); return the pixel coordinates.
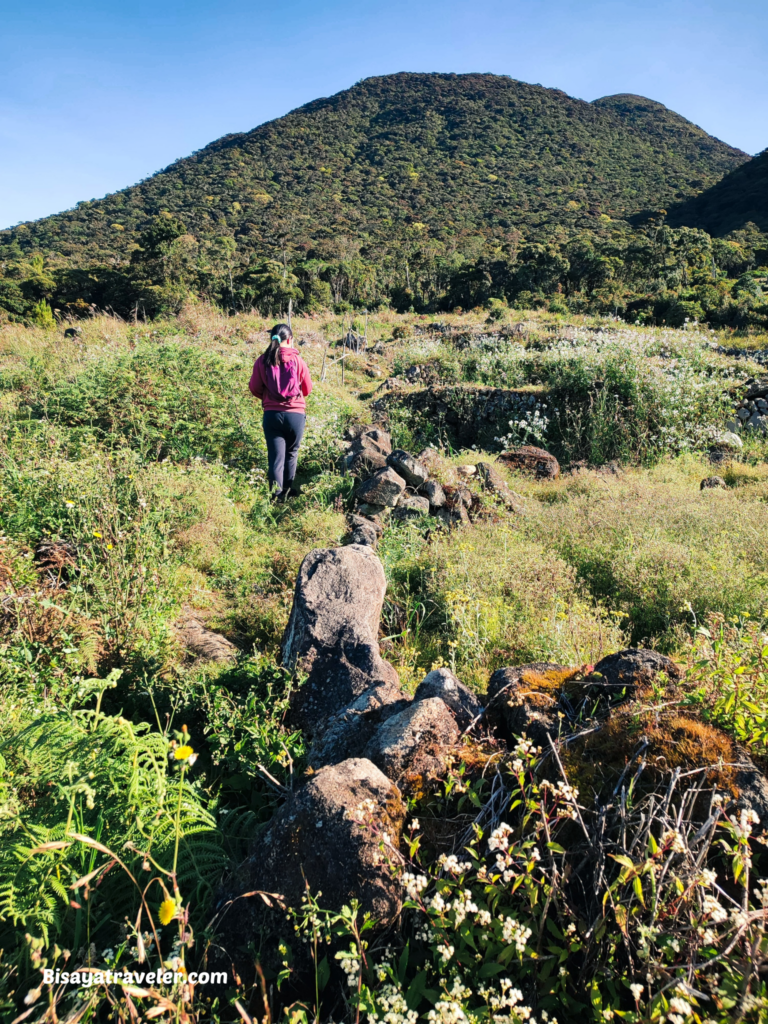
(279, 333)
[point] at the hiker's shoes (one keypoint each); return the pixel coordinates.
(287, 493)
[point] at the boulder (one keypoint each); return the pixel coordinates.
(712, 481)
(434, 493)
(634, 667)
(442, 683)
(365, 443)
(459, 495)
(319, 839)
(369, 510)
(332, 634)
(412, 471)
(456, 515)
(494, 483)
(377, 437)
(414, 741)
(411, 506)
(354, 430)
(524, 699)
(364, 462)
(752, 786)
(347, 733)
(383, 488)
(536, 461)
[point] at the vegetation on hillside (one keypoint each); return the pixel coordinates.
(739, 198)
(424, 192)
(135, 450)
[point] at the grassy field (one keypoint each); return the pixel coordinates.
(138, 449)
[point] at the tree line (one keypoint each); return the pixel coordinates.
(649, 274)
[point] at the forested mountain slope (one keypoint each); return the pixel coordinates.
(442, 156)
(739, 198)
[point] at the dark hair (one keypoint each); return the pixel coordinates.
(280, 332)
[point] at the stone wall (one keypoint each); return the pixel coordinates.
(473, 414)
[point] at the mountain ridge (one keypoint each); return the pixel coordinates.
(441, 156)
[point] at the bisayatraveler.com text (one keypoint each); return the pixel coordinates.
(88, 977)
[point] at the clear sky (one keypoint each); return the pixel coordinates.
(97, 94)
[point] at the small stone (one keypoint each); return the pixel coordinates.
(383, 488)
(466, 470)
(364, 534)
(434, 493)
(729, 440)
(409, 468)
(355, 521)
(712, 481)
(442, 683)
(494, 483)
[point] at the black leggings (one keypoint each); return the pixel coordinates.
(283, 431)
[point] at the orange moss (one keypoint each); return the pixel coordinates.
(674, 741)
(552, 679)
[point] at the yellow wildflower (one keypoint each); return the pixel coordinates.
(167, 911)
(183, 753)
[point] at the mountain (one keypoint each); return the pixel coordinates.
(442, 156)
(730, 204)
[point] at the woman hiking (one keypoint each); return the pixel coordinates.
(281, 380)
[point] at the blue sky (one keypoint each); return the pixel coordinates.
(96, 95)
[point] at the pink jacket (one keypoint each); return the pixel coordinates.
(271, 403)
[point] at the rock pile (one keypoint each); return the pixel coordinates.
(399, 484)
(340, 831)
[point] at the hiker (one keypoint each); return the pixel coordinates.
(281, 380)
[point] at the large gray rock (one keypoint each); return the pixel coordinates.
(452, 516)
(412, 471)
(318, 839)
(442, 683)
(369, 510)
(434, 493)
(411, 506)
(414, 741)
(347, 733)
(494, 483)
(332, 634)
(383, 488)
(364, 462)
(377, 437)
